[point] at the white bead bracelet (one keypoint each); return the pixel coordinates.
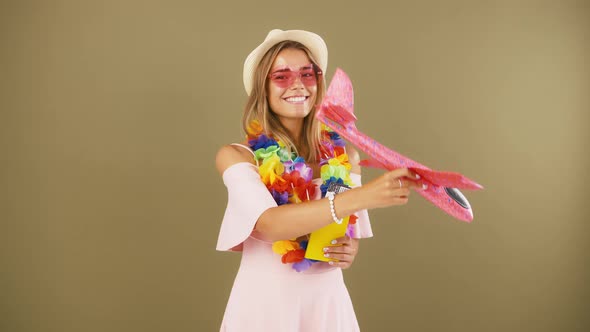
(331, 195)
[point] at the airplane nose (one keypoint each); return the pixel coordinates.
(458, 197)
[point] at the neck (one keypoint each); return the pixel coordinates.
(295, 129)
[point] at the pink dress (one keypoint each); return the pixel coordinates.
(268, 295)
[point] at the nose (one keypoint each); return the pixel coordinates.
(297, 83)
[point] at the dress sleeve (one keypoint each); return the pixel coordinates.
(247, 199)
(362, 228)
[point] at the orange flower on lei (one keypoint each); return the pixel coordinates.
(254, 129)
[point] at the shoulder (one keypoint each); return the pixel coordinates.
(229, 155)
(354, 158)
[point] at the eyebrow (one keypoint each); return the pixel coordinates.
(309, 66)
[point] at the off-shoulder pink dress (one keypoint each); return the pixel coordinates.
(268, 295)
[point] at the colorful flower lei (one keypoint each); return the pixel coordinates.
(289, 180)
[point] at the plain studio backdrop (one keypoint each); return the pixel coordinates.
(112, 112)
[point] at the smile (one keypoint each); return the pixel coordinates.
(296, 99)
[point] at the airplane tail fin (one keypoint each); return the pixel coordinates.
(338, 104)
(339, 114)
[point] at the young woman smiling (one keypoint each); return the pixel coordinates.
(277, 184)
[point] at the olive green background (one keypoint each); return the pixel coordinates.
(112, 112)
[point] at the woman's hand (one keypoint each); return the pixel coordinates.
(391, 188)
(342, 252)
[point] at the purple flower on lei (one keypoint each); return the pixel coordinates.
(280, 198)
(329, 149)
(302, 265)
(350, 230)
(299, 165)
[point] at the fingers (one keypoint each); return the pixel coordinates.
(404, 178)
(342, 252)
(405, 183)
(403, 172)
(393, 188)
(345, 240)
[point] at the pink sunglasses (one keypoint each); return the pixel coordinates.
(284, 78)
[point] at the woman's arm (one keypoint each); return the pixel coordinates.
(293, 220)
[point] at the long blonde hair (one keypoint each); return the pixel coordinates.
(257, 107)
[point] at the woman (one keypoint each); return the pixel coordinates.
(278, 194)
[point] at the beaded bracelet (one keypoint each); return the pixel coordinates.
(331, 195)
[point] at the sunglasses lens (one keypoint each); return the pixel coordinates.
(308, 77)
(284, 79)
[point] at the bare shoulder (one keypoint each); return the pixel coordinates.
(229, 155)
(354, 158)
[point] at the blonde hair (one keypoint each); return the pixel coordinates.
(257, 107)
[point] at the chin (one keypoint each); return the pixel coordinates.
(299, 111)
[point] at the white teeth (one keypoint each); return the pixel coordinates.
(295, 99)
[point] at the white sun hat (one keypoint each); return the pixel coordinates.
(312, 41)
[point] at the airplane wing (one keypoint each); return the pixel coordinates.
(337, 112)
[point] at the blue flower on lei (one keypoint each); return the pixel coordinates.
(336, 139)
(262, 141)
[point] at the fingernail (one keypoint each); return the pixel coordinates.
(326, 249)
(326, 255)
(331, 262)
(424, 186)
(417, 176)
(333, 242)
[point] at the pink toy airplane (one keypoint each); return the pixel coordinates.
(336, 112)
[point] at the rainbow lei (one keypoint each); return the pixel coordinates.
(289, 181)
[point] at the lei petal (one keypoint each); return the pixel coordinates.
(293, 256)
(302, 265)
(281, 197)
(261, 141)
(350, 231)
(289, 180)
(335, 137)
(265, 153)
(340, 160)
(284, 153)
(302, 189)
(254, 129)
(338, 171)
(300, 166)
(283, 246)
(324, 186)
(305, 191)
(280, 187)
(304, 170)
(271, 170)
(338, 150)
(303, 244)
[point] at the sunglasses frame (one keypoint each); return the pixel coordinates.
(297, 74)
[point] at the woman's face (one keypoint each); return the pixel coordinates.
(292, 85)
